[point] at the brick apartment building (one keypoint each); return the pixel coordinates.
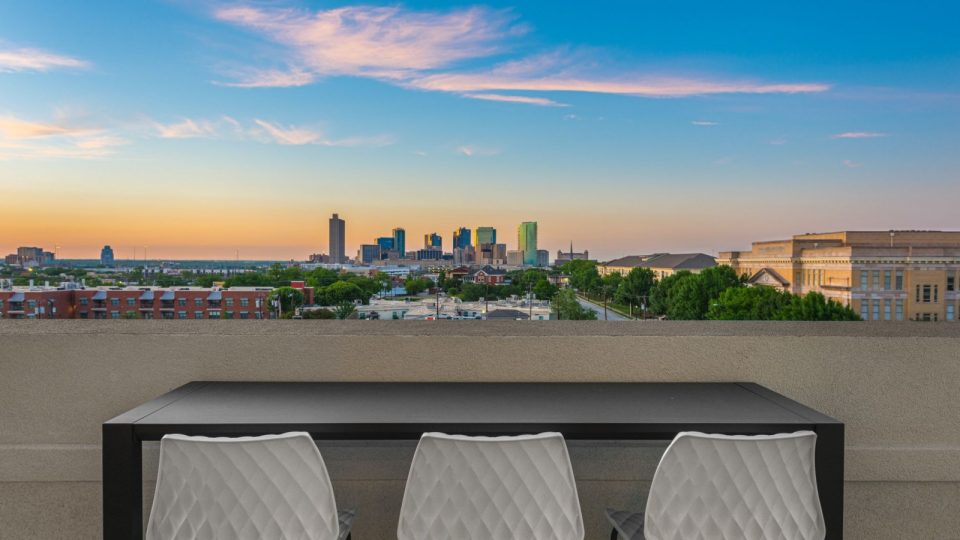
(42, 302)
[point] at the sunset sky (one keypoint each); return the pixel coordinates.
(202, 128)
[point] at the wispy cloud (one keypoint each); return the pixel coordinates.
(424, 50)
(476, 151)
(299, 135)
(850, 164)
(858, 135)
(188, 129)
(529, 100)
(270, 78)
(704, 123)
(779, 141)
(265, 131)
(36, 60)
(27, 139)
(385, 42)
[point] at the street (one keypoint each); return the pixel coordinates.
(611, 315)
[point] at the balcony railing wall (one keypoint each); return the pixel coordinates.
(894, 385)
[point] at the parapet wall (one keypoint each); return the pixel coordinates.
(896, 386)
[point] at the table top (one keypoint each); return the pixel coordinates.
(405, 410)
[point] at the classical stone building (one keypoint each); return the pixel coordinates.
(882, 275)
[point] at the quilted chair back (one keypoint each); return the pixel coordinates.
(491, 488)
(246, 488)
(736, 487)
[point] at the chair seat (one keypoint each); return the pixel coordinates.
(345, 518)
(629, 525)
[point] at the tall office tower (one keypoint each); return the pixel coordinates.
(543, 258)
(386, 243)
(432, 241)
(106, 256)
(338, 230)
(368, 253)
(484, 235)
(527, 242)
(461, 238)
(400, 241)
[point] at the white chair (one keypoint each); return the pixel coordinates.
(730, 487)
(491, 488)
(248, 488)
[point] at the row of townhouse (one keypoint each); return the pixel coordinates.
(44, 302)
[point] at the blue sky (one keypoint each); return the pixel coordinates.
(199, 128)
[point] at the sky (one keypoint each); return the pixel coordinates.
(200, 129)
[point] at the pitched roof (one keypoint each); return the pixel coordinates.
(681, 261)
(491, 271)
(630, 261)
(507, 314)
(675, 261)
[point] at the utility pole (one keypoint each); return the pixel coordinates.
(438, 303)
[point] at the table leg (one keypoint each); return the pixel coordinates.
(122, 483)
(830, 477)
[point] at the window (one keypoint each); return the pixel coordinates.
(32, 304)
(83, 314)
(864, 310)
(84, 301)
(131, 314)
(198, 301)
(899, 309)
(876, 310)
(876, 279)
(228, 315)
(935, 291)
(214, 315)
(131, 301)
(229, 302)
(244, 302)
(244, 314)
(182, 302)
(182, 314)
(197, 314)
(886, 280)
(950, 312)
(951, 283)
(114, 301)
(863, 279)
(114, 314)
(899, 280)
(886, 309)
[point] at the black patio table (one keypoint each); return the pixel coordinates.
(368, 411)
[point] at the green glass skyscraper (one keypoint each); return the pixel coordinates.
(484, 235)
(527, 242)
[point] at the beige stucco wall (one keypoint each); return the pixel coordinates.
(896, 386)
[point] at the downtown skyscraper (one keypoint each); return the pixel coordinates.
(338, 235)
(527, 242)
(484, 235)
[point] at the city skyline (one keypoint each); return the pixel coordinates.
(225, 126)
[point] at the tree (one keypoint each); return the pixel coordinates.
(416, 286)
(342, 291)
(757, 303)
(471, 292)
(249, 279)
(567, 307)
(321, 277)
(635, 287)
(544, 289)
(290, 299)
(318, 314)
(662, 293)
(344, 310)
(815, 307)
